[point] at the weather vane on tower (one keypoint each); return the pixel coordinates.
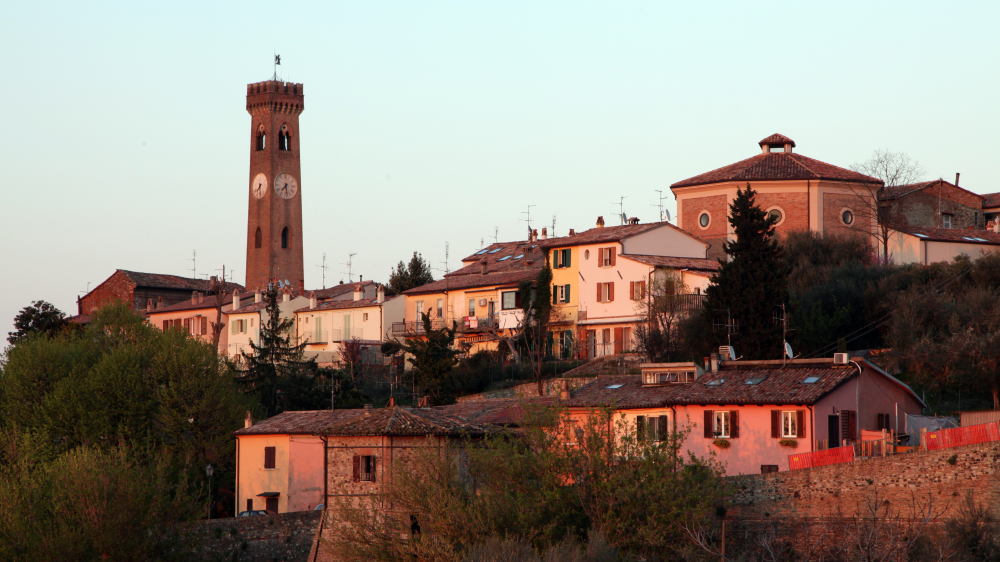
(277, 63)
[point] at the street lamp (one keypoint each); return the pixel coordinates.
(209, 470)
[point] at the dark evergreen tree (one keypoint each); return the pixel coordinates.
(39, 318)
(433, 357)
(751, 286)
(408, 276)
(275, 371)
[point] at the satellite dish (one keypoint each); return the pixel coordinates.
(287, 284)
(667, 213)
(788, 351)
(732, 353)
(624, 218)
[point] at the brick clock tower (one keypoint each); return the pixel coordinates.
(274, 220)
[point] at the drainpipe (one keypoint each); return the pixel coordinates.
(237, 476)
(857, 398)
(812, 430)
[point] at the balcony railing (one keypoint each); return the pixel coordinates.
(684, 302)
(313, 337)
(339, 334)
(479, 323)
(416, 328)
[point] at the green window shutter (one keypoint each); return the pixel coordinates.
(566, 257)
(555, 294)
(567, 292)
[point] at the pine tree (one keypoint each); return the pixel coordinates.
(752, 285)
(275, 366)
(407, 276)
(433, 357)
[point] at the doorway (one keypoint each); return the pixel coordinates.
(834, 431)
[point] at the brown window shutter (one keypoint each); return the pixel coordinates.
(709, 422)
(642, 289)
(611, 291)
(357, 469)
(613, 256)
(734, 424)
(166, 325)
(640, 428)
(599, 291)
(800, 423)
(662, 429)
(374, 471)
(775, 424)
(852, 425)
(631, 290)
(268, 457)
(204, 325)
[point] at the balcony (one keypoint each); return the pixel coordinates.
(313, 337)
(680, 303)
(479, 323)
(339, 335)
(411, 328)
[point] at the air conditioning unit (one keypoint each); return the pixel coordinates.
(482, 302)
(841, 359)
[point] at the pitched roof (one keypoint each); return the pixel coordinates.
(777, 384)
(208, 301)
(952, 235)
(338, 290)
(601, 235)
(163, 281)
(497, 411)
(305, 422)
(339, 305)
(991, 200)
(696, 264)
(473, 279)
(397, 420)
(776, 139)
(246, 308)
(897, 191)
(777, 166)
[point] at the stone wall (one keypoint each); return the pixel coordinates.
(551, 387)
(837, 490)
(285, 537)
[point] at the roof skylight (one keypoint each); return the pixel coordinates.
(615, 386)
(504, 258)
(716, 382)
(481, 252)
(755, 380)
(920, 235)
(519, 257)
(495, 250)
(811, 380)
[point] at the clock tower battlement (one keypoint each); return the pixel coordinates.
(274, 218)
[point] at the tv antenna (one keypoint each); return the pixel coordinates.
(664, 213)
(496, 234)
(445, 262)
(553, 232)
(730, 327)
(88, 288)
(194, 270)
(621, 208)
(782, 317)
(528, 218)
(226, 276)
(324, 267)
(481, 239)
(277, 63)
(349, 263)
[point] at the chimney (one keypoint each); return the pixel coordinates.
(600, 222)
(312, 299)
(248, 421)
(545, 234)
(534, 236)
(194, 297)
(201, 297)
(359, 293)
(957, 174)
(424, 402)
(380, 295)
(788, 148)
(236, 299)
(564, 393)
(572, 232)
(286, 295)
(485, 266)
(159, 302)
(149, 305)
(361, 278)
(391, 403)
(256, 296)
(715, 362)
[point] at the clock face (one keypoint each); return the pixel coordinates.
(285, 186)
(259, 186)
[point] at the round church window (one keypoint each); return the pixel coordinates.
(704, 219)
(847, 216)
(775, 215)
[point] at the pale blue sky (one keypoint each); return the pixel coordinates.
(433, 122)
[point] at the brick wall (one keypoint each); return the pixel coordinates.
(924, 208)
(794, 206)
(690, 209)
(825, 491)
(117, 287)
(833, 206)
(287, 537)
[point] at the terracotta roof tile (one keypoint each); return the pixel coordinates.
(163, 281)
(600, 235)
(776, 139)
(991, 200)
(207, 302)
(777, 166)
(897, 191)
(952, 235)
(398, 420)
(338, 290)
(472, 280)
(499, 411)
(340, 305)
(305, 422)
(696, 264)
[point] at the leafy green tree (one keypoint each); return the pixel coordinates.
(432, 355)
(751, 286)
(274, 369)
(39, 318)
(407, 276)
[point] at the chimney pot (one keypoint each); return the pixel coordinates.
(312, 299)
(715, 362)
(572, 232)
(957, 174)
(545, 234)
(248, 421)
(194, 297)
(236, 299)
(286, 295)
(380, 294)
(600, 222)
(256, 296)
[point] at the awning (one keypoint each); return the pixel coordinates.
(268, 494)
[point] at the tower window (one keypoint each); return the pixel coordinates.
(257, 238)
(284, 139)
(260, 138)
(284, 237)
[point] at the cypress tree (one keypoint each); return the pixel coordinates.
(752, 284)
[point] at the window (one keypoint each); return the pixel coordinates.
(754, 380)
(637, 290)
(607, 257)
(472, 307)
(697, 290)
(716, 382)
(284, 237)
(560, 294)
(260, 137)
(249, 505)
(440, 308)
(652, 428)
(776, 216)
(364, 317)
(257, 238)
(586, 254)
(510, 300)
(789, 427)
(419, 307)
(946, 220)
(268, 458)
(884, 422)
(722, 425)
(284, 139)
(810, 380)
(564, 258)
(364, 468)
(847, 217)
(768, 468)
(606, 292)
(704, 220)
(664, 378)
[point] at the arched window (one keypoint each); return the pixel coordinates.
(284, 237)
(285, 138)
(257, 238)
(260, 137)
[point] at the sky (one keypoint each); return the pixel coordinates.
(434, 124)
